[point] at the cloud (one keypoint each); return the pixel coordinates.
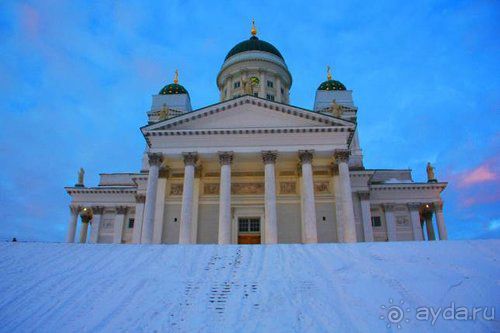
(481, 174)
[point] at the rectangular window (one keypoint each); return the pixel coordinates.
(256, 94)
(249, 225)
(376, 221)
(236, 85)
(130, 223)
(270, 84)
(270, 97)
(282, 91)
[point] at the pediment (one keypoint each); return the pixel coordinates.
(248, 112)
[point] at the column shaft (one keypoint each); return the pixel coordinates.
(310, 234)
(73, 220)
(95, 224)
(149, 207)
(225, 160)
(338, 207)
(349, 226)
(196, 198)
(185, 236)
(366, 216)
(83, 232)
(271, 219)
(390, 222)
(262, 85)
(415, 221)
(430, 227)
(118, 225)
(138, 218)
(438, 208)
(159, 208)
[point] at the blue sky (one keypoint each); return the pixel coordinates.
(76, 80)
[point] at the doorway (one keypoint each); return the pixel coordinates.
(249, 230)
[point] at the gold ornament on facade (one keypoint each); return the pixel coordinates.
(164, 112)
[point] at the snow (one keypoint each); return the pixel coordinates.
(50, 287)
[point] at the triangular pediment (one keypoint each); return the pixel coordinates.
(248, 112)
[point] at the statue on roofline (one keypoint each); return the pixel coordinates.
(431, 177)
(81, 174)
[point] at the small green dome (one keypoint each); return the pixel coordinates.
(173, 88)
(331, 85)
(254, 44)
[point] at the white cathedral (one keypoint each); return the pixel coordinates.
(254, 169)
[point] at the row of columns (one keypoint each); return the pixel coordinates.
(309, 231)
(92, 216)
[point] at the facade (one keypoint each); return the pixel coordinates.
(255, 169)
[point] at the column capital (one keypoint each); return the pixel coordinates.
(341, 155)
(98, 210)
(306, 156)
(438, 206)
(414, 205)
(269, 156)
(140, 198)
(190, 158)
(388, 207)
(122, 210)
(155, 159)
(364, 195)
(74, 209)
(225, 157)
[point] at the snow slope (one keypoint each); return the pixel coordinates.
(210, 288)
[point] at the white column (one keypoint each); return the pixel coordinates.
(118, 225)
(429, 226)
(309, 234)
(262, 85)
(225, 159)
(338, 205)
(86, 216)
(155, 161)
(73, 220)
(438, 209)
(95, 223)
(140, 199)
(390, 222)
(366, 215)
(414, 208)
(160, 206)
(196, 198)
(271, 219)
(229, 88)
(279, 96)
(187, 198)
(345, 196)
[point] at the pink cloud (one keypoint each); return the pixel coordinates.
(480, 174)
(479, 185)
(487, 172)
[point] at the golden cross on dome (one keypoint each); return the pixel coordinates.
(254, 29)
(176, 77)
(328, 73)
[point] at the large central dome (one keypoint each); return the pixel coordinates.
(253, 44)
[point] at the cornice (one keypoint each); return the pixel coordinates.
(93, 190)
(408, 186)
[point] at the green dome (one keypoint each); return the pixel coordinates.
(173, 88)
(254, 44)
(331, 85)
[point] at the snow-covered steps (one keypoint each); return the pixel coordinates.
(251, 288)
